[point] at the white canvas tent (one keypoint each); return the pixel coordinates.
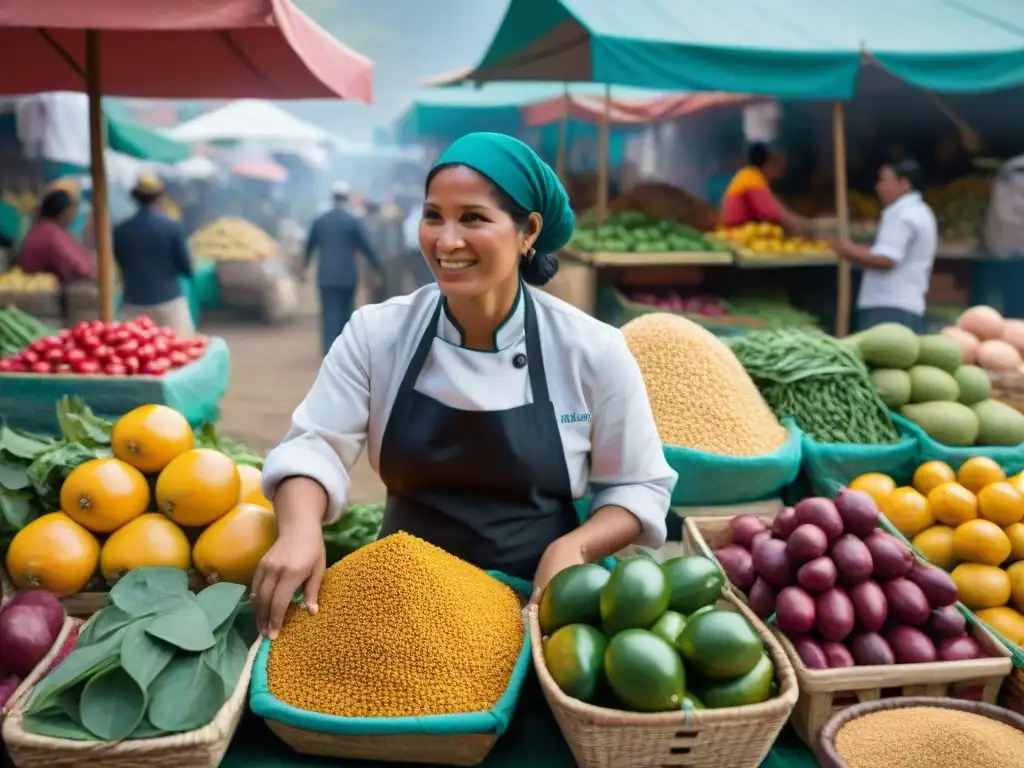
(255, 121)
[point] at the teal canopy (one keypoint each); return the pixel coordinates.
(796, 49)
(444, 113)
(129, 137)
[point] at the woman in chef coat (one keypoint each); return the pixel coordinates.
(487, 406)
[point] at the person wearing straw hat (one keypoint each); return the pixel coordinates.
(153, 256)
(486, 404)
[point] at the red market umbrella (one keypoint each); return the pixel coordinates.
(185, 49)
(261, 170)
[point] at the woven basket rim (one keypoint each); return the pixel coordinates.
(826, 752)
(779, 706)
(217, 729)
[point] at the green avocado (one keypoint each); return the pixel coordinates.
(694, 582)
(573, 597)
(720, 644)
(636, 595)
(669, 626)
(645, 672)
(752, 688)
(574, 655)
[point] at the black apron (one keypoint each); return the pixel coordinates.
(490, 487)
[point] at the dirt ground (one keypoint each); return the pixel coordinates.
(272, 368)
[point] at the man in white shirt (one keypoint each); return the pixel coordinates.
(898, 266)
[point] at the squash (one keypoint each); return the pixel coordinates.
(889, 345)
(54, 553)
(231, 548)
(149, 540)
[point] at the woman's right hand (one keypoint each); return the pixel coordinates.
(297, 559)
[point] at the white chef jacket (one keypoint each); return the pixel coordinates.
(609, 438)
(909, 235)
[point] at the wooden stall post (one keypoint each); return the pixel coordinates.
(563, 138)
(97, 141)
(844, 277)
(604, 150)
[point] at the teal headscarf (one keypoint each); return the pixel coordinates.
(520, 173)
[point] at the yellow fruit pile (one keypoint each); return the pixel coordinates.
(145, 507)
(969, 522)
(232, 239)
(16, 281)
(762, 237)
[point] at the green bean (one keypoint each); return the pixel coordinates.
(820, 383)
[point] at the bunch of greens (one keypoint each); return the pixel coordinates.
(359, 526)
(33, 468)
(208, 437)
(156, 660)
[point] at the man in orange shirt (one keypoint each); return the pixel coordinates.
(749, 196)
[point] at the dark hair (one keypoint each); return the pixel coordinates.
(907, 169)
(758, 154)
(145, 198)
(54, 204)
(538, 269)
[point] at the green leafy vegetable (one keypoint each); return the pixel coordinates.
(187, 695)
(186, 627)
(112, 705)
(104, 622)
(143, 656)
(219, 602)
(144, 591)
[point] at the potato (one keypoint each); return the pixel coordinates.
(738, 565)
(794, 611)
(853, 559)
(834, 614)
(871, 649)
(772, 563)
(890, 556)
(744, 528)
(784, 523)
(946, 623)
(869, 605)
(858, 511)
(762, 598)
(907, 602)
(911, 646)
(937, 585)
(810, 652)
(959, 649)
(806, 542)
(821, 512)
(817, 575)
(838, 655)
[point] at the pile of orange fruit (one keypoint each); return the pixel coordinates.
(158, 501)
(969, 521)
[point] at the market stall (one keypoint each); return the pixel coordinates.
(108, 44)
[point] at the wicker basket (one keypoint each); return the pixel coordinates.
(823, 692)
(825, 749)
(1013, 691)
(737, 737)
(203, 748)
(42, 668)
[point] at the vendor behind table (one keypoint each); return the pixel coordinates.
(486, 405)
(749, 197)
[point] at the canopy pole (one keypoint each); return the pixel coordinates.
(97, 140)
(844, 276)
(604, 150)
(563, 138)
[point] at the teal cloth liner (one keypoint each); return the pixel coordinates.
(1009, 457)
(830, 466)
(707, 479)
(263, 703)
(205, 287)
(28, 402)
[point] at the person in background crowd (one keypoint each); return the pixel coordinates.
(749, 197)
(421, 274)
(153, 256)
(386, 237)
(336, 237)
(49, 247)
(898, 266)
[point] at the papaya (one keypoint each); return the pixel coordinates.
(574, 655)
(573, 597)
(54, 553)
(720, 644)
(148, 540)
(233, 545)
(752, 688)
(892, 385)
(645, 672)
(998, 423)
(693, 581)
(974, 382)
(939, 351)
(930, 384)
(948, 423)
(197, 487)
(636, 595)
(889, 345)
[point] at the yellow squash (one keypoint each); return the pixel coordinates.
(54, 553)
(149, 540)
(231, 548)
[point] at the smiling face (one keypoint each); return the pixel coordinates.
(471, 243)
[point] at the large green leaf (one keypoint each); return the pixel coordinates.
(185, 627)
(186, 695)
(144, 657)
(112, 705)
(219, 602)
(144, 591)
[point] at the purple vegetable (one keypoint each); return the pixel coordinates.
(852, 558)
(821, 512)
(8, 685)
(817, 575)
(946, 622)
(762, 598)
(937, 585)
(858, 511)
(794, 611)
(43, 601)
(810, 652)
(835, 616)
(744, 528)
(25, 638)
(890, 556)
(869, 605)
(784, 523)
(871, 649)
(838, 655)
(911, 646)
(806, 542)
(738, 565)
(772, 563)
(959, 649)
(907, 602)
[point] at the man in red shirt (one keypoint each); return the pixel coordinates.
(49, 247)
(749, 197)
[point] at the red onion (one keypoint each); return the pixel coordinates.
(52, 610)
(25, 638)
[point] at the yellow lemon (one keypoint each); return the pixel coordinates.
(908, 510)
(979, 471)
(931, 475)
(1001, 503)
(981, 541)
(876, 485)
(953, 504)
(1015, 533)
(936, 544)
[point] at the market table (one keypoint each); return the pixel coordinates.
(533, 740)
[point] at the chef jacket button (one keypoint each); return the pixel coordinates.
(519, 361)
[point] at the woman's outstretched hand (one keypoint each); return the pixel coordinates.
(297, 559)
(559, 555)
